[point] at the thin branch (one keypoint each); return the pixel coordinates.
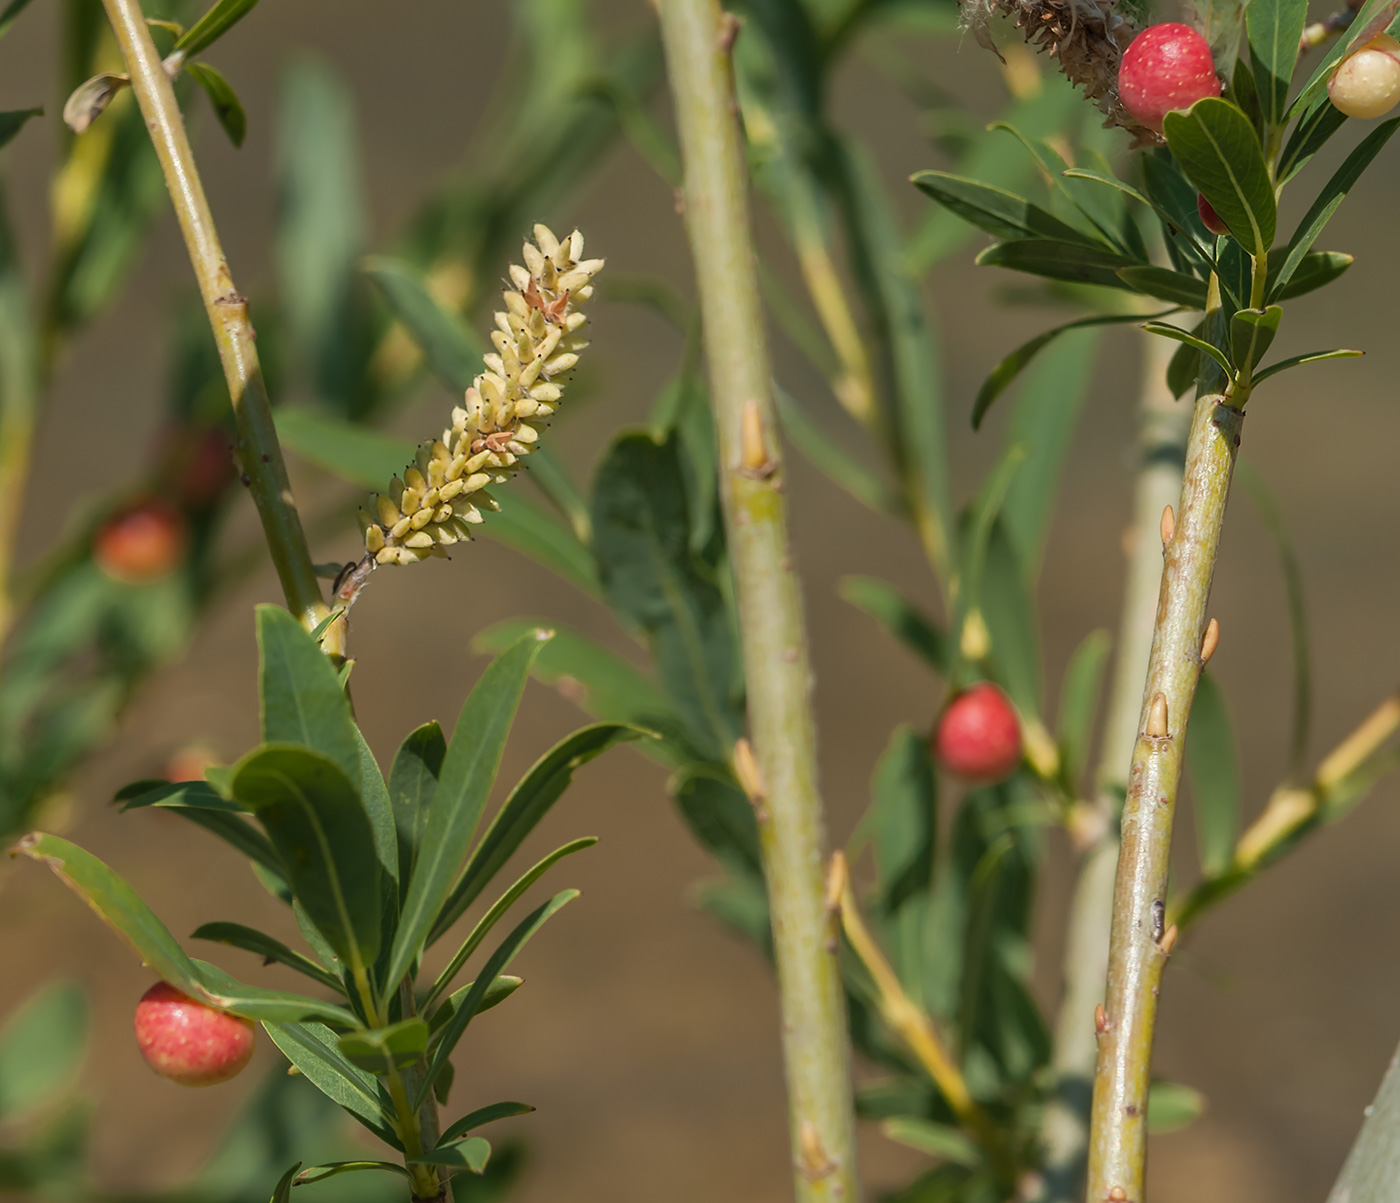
(698, 38)
(261, 455)
(1164, 422)
(1140, 940)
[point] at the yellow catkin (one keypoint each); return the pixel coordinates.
(537, 342)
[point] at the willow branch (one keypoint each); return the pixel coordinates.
(1139, 941)
(259, 451)
(1163, 426)
(697, 38)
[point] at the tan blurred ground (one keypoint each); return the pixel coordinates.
(646, 1037)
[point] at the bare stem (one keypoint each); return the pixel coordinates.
(697, 37)
(1161, 449)
(261, 455)
(1140, 941)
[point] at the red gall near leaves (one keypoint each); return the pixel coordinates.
(1166, 67)
(190, 1042)
(978, 737)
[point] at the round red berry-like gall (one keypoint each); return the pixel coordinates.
(978, 737)
(1367, 84)
(141, 543)
(190, 1042)
(1165, 67)
(1209, 217)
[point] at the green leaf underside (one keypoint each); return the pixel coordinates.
(470, 1153)
(1218, 152)
(1002, 214)
(496, 993)
(468, 771)
(1166, 285)
(319, 1173)
(1274, 31)
(227, 107)
(396, 1046)
(451, 349)
(222, 17)
(1252, 332)
(1284, 365)
(1057, 261)
(483, 1115)
(1212, 764)
(899, 617)
(12, 121)
(412, 780)
(1190, 340)
(236, 935)
(311, 1047)
(316, 821)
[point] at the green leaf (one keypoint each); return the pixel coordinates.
(1331, 197)
(1222, 24)
(1314, 129)
(236, 935)
(1002, 214)
(382, 1049)
(1373, 18)
(1184, 367)
(451, 349)
(1057, 261)
(332, 1169)
(302, 699)
(1002, 593)
(496, 993)
(1317, 268)
(527, 804)
(13, 120)
(374, 795)
(1166, 285)
(311, 1047)
(1043, 422)
(1010, 367)
(655, 581)
(899, 617)
(483, 1115)
(1175, 199)
(227, 107)
(272, 1006)
(363, 457)
(412, 780)
(498, 909)
(10, 14)
(1172, 218)
(118, 905)
(201, 804)
(1252, 332)
(596, 679)
(222, 17)
(1079, 703)
(903, 821)
(833, 459)
(939, 1140)
(1267, 505)
(282, 1192)
(468, 772)
(1218, 152)
(469, 1007)
(1191, 340)
(720, 816)
(531, 531)
(1213, 767)
(1274, 29)
(1298, 360)
(1171, 1107)
(468, 1154)
(315, 819)
(42, 1047)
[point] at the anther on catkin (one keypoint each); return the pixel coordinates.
(442, 494)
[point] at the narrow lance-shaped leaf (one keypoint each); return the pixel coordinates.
(1219, 153)
(470, 1153)
(311, 1047)
(227, 107)
(1079, 701)
(1212, 765)
(483, 1115)
(1297, 361)
(412, 780)
(899, 617)
(333, 1169)
(1165, 285)
(499, 961)
(12, 121)
(1200, 344)
(236, 935)
(1002, 214)
(317, 822)
(1274, 29)
(468, 772)
(527, 804)
(1057, 261)
(1251, 334)
(382, 1049)
(1331, 197)
(451, 349)
(222, 17)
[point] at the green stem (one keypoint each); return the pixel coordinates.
(1139, 945)
(1064, 1130)
(697, 37)
(19, 393)
(261, 455)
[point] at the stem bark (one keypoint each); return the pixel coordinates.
(261, 455)
(1164, 424)
(1137, 947)
(698, 36)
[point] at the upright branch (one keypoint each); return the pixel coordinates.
(1140, 940)
(1163, 425)
(263, 468)
(783, 781)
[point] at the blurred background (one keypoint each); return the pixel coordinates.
(646, 1035)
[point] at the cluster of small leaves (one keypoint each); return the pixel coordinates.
(375, 872)
(1237, 152)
